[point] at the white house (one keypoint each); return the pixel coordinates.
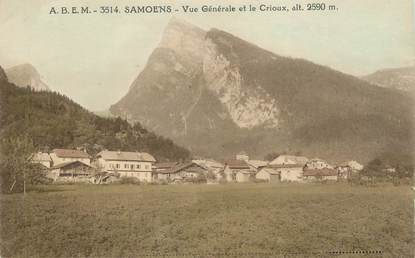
(289, 167)
(42, 158)
(127, 164)
(59, 156)
(289, 159)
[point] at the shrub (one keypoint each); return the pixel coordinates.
(256, 180)
(223, 181)
(129, 181)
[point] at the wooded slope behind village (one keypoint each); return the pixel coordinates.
(52, 120)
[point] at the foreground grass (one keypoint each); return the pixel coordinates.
(208, 220)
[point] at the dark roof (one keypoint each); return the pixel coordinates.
(65, 164)
(182, 166)
(285, 166)
(320, 172)
(236, 164)
(68, 153)
(165, 165)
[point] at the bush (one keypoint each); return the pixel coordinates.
(129, 181)
(256, 180)
(223, 181)
(200, 179)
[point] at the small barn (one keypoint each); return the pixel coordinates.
(238, 171)
(269, 174)
(182, 172)
(320, 174)
(71, 171)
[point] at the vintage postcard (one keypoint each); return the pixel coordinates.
(207, 128)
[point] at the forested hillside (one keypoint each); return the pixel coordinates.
(53, 120)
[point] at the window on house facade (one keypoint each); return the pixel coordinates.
(138, 166)
(132, 167)
(117, 165)
(147, 167)
(125, 165)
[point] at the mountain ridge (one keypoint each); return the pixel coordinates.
(401, 78)
(219, 94)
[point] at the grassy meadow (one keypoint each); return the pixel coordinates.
(253, 220)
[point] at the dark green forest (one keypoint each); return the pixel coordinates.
(53, 120)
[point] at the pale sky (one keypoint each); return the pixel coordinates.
(94, 58)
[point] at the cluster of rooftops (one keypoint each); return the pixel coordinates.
(144, 166)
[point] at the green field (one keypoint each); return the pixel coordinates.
(258, 220)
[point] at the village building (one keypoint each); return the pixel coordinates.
(318, 169)
(127, 164)
(71, 171)
(42, 158)
(290, 167)
(212, 166)
(162, 166)
(181, 173)
(238, 171)
(317, 164)
(59, 156)
(269, 174)
(347, 169)
(320, 174)
(256, 165)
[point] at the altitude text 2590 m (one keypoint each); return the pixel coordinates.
(320, 7)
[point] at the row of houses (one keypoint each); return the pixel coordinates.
(78, 165)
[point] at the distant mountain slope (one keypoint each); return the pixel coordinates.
(3, 76)
(54, 121)
(26, 75)
(218, 94)
(397, 78)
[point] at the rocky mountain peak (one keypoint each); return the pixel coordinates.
(183, 38)
(26, 75)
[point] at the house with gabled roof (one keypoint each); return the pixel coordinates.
(181, 172)
(318, 169)
(127, 164)
(256, 164)
(212, 166)
(71, 171)
(65, 155)
(290, 167)
(42, 158)
(320, 174)
(238, 171)
(348, 168)
(269, 174)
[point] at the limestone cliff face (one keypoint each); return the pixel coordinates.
(217, 94)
